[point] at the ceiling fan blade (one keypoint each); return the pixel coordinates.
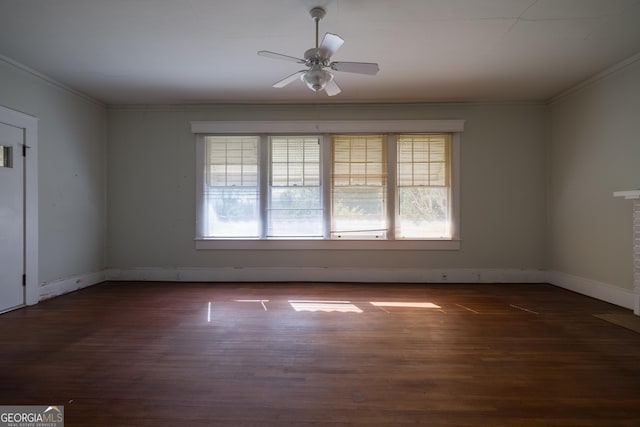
(274, 55)
(290, 79)
(369, 68)
(331, 43)
(332, 88)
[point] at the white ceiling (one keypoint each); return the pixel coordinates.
(204, 51)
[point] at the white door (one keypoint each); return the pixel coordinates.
(11, 217)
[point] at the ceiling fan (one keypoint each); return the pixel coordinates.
(318, 59)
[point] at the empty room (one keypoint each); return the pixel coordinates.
(320, 212)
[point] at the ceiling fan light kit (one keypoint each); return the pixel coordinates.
(316, 78)
(318, 59)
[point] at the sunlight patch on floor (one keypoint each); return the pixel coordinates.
(405, 304)
(326, 306)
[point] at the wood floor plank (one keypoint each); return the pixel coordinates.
(197, 354)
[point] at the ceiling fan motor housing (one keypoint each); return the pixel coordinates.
(317, 55)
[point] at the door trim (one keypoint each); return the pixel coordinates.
(30, 126)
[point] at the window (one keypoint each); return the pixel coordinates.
(231, 192)
(423, 186)
(327, 189)
(5, 157)
(294, 207)
(359, 187)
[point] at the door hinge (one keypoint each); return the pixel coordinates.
(24, 280)
(24, 150)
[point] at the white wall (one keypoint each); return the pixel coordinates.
(536, 187)
(71, 177)
(151, 158)
(594, 151)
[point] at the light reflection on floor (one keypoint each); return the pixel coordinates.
(327, 306)
(335, 306)
(261, 301)
(405, 304)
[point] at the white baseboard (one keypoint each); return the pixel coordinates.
(594, 289)
(69, 284)
(320, 274)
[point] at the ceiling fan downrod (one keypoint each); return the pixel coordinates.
(317, 13)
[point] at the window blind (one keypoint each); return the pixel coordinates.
(423, 160)
(295, 161)
(232, 161)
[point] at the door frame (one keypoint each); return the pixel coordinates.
(29, 125)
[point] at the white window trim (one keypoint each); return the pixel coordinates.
(324, 127)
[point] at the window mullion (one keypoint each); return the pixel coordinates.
(325, 176)
(201, 168)
(264, 153)
(392, 198)
(454, 185)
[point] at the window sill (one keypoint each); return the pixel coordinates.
(223, 244)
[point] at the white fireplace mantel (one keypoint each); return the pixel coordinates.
(635, 196)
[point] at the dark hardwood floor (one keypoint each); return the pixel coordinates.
(193, 354)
